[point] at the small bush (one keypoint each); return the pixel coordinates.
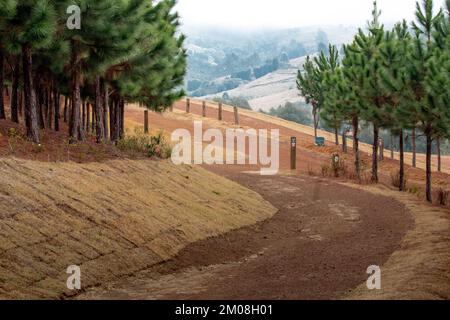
(443, 196)
(152, 146)
(325, 170)
(413, 190)
(13, 133)
(338, 166)
(158, 147)
(366, 178)
(395, 179)
(38, 148)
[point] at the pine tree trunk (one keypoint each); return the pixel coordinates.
(105, 111)
(83, 115)
(112, 116)
(315, 121)
(74, 124)
(15, 92)
(122, 118)
(414, 151)
(402, 162)
(117, 119)
(376, 134)
(29, 94)
(392, 146)
(57, 97)
(88, 119)
(2, 103)
(438, 146)
(344, 140)
(336, 135)
(93, 124)
(355, 124)
(21, 104)
(50, 107)
(428, 168)
(40, 105)
(66, 108)
(98, 111)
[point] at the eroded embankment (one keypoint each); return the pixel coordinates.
(111, 219)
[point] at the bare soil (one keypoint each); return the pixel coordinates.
(318, 246)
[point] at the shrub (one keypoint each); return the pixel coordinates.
(13, 133)
(152, 146)
(158, 147)
(395, 178)
(443, 196)
(338, 166)
(325, 170)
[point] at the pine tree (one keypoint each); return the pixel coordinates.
(152, 76)
(309, 84)
(7, 11)
(34, 24)
(431, 112)
(394, 78)
(331, 112)
(366, 63)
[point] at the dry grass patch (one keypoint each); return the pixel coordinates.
(421, 268)
(112, 219)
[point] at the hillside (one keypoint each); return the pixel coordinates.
(136, 214)
(271, 90)
(311, 240)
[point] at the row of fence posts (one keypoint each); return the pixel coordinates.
(220, 117)
(293, 139)
(219, 112)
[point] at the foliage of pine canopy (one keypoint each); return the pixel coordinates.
(126, 51)
(393, 79)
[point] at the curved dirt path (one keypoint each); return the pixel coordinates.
(318, 246)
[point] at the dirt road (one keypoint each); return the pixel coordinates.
(318, 246)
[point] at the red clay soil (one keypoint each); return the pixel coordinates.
(318, 246)
(310, 158)
(54, 146)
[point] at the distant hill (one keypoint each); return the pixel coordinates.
(271, 90)
(258, 65)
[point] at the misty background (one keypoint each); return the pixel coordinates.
(247, 53)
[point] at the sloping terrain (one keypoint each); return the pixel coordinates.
(318, 246)
(271, 90)
(111, 219)
(307, 135)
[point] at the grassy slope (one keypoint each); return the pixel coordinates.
(364, 147)
(420, 269)
(111, 218)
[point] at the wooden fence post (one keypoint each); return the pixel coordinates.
(293, 153)
(188, 105)
(236, 115)
(146, 121)
(204, 109)
(220, 111)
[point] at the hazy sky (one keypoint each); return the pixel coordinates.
(289, 13)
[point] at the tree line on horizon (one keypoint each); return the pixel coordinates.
(393, 79)
(125, 51)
